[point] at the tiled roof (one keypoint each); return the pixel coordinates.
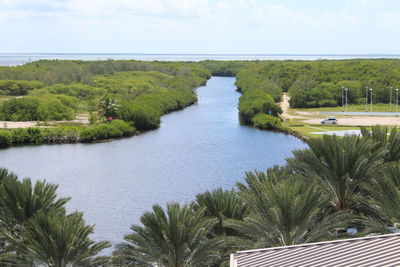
(382, 250)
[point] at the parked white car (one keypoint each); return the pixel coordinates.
(329, 121)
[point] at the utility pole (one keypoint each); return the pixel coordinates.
(366, 99)
(397, 101)
(346, 97)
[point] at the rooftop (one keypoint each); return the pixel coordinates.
(382, 250)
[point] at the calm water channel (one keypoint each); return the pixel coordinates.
(200, 148)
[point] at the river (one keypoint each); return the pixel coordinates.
(199, 148)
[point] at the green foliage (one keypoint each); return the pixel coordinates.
(57, 239)
(88, 134)
(36, 231)
(145, 111)
(341, 164)
(175, 237)
(60, 135)
(144, 117)
(80, 91)
(253, 102)
(285, 213)
(5, 138)
(37, 108)
(266, 122)
(17, 87)
(108, 107)
(250, 80)
(221, 204)
(115, 129)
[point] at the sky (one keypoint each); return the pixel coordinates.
(200, 26)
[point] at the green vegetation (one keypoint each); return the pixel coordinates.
(335, 184)
(36, 230)
(139, 93)
(254, 102)
(17, 87)
(135, 93)
(66, 134)
(311, 84)
(43, 108)
(318, 83)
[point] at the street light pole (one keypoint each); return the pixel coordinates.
(366, 99)
(391, 98)
(342, 99)
(346, 97)
(371, 97)
(397, 101)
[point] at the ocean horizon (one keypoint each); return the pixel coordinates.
(12, 59)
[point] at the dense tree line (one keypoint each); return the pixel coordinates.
(319, 83)
(335, 184)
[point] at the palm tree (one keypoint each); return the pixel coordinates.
(20, 201)
(176, 237)
(340, 164)
(390, 144)
(60, 240)
(35, 229)
(285, 213)
(221, 204)
(108, 107)
(384, 202)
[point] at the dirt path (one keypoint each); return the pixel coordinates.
(285, 109)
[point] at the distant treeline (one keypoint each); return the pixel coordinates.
(319, 83)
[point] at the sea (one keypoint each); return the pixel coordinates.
(13, 59)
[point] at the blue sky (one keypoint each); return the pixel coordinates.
(200, 26)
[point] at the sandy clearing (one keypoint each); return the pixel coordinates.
(82, 118)
(17, 124)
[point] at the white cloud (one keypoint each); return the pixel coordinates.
(227, 23)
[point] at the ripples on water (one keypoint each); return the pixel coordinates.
(200, 148)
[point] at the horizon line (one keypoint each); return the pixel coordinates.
(204, 54)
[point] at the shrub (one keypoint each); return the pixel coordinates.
(18, 87)
(253, 102)
(36, 108)
(124, 127)
(19, 136)
(5, 138)
(266, 122)
(60, 135)
(144, 117)
(107, 130)
(88, 135)
(35, 135)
